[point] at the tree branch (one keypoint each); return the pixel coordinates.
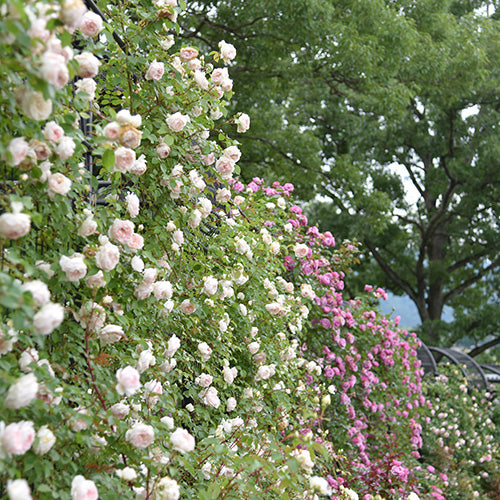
(484, 347)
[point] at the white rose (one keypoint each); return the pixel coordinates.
(45, 440)
(18, 489)
(182, 441)
(34, 106)
(48, 318)
(22, 392)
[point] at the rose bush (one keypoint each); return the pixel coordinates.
(204, 349)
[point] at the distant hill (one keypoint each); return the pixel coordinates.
(404, 307)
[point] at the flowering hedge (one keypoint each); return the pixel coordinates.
(165, 330)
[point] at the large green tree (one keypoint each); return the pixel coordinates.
(366, 102)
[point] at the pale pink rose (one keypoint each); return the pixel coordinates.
(120, 410)
(223, 195)
(48, 318)
(45, 440)
(18, 148)
(209, 397)
(124, 118)
(232, 152)
(107, 257)
(18, 437)
(139, 166)
(130, 137)
(39, 291)
(205, 350)
(91, 316)
(34, 105)
(55, 45)
(87, 85)
(177, 121)
(209, 159)
(173, 345)
(204, 380)
(53, 132)
(154, 390)
(194, 64)
(264, 372)
(167, 489)
(18, 489)
(121, 230)
(140, 435)
(111, 334)
(58, 184)
(128, 381)
(188, 53)
(167, 42)
(178, 237)
(53, 69)
(229, 374)
(200, 79)
(195, 219)
(38, 29)
(88, 65)
(243, 123)
(187, 307)
(14, 225)
(83, 489)
(219, 75)
(41, 149)
(210, 285)
(136, 242)
(132, 204)
(96, 280)
(162, 290)
(231, 404)
(163, 150)
(124, 159)
(182, 441)
(87, 227)
(90, 24)
(300, 250)
(155, 71)
(205, 206)
(65, 148)
(74, 267)
(22, 392)
(150, 275)
(227, 51)
(253, 347)
(112, 131)
(71, 13)
(227, 85)
(225, 167)
(137, 264)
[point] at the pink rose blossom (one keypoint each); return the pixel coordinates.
(227, 51)
(124, 159)
(163, 150)
(58, 184)
(209, 397)
(53, 69)
(136, 242)
(83, 489)
(128, 381)
(39, 291)
(107, 257)
(188, 53)
(139, 166)
(204, 380)
(112, 131)
(132, 204)
(187, 307)
(232, 152)
(90, 24)
(177, 121)
(200, 79)
(182, 441)
(120, 410)
(130, 137)
(18, 489)
(140, 435)
(205, 350)
(18, 148)
(121, 230)
(87, 85)
(48, 318)
(88, 65)
(231, 404)
(14, 225)
(243, 123)
(74, 266)
(22, 392)
(18, 437)
(219, 75)
(155, 71)
(96, 280)
(225, 167)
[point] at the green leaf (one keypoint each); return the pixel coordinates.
(108, 159)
